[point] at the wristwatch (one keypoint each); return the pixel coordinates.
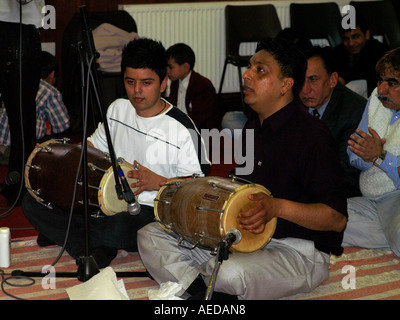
(380, 159)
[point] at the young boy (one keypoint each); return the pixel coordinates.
(139, 125)
(191, 92)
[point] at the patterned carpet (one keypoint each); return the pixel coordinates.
(359, 274)
(28, 257)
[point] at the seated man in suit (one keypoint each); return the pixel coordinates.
(339, 107)
(191, 92)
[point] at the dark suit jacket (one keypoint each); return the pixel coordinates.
(202, 98)
(342, 116)
(362, 65)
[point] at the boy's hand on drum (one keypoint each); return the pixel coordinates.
(147, 180)
(254, 220)
(165, 181)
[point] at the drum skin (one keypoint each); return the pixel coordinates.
(110, 204)
(204, 209)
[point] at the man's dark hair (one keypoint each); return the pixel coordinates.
(360, 22)
(297, 37)
(327, 57)
(291, 60)
(144, 53)
(181, 53)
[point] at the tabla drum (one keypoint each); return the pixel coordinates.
(50, 177)
(203, 210)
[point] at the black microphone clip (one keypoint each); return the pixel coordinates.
(133, 206)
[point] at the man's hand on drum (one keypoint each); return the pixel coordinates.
(254, 220)
(146, 179)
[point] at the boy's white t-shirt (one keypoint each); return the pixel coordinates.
(162, 143)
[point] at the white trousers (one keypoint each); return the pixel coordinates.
(374, 222)
(282, 268)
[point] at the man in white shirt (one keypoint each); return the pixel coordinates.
(160, 140)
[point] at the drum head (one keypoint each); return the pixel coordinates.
(108, 199)
(238, 203)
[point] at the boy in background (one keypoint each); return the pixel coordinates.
(191, 92)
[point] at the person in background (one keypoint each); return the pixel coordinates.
(374, 148)
(190, 91)
(52, 119)
(20, 105)
(357, 56)
(337, 106)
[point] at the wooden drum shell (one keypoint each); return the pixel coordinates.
(204, 209)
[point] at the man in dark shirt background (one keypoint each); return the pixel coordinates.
(358, 54)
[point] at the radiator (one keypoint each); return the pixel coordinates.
(201, 25)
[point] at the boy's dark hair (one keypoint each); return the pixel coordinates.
(291, 60)
(48, 64)
(181, 53)
(326, 55)
(144, 53)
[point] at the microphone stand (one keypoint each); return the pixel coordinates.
(222, 254)
(87, 266)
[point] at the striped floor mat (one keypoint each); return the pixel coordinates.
(28, 257)
(358, 274)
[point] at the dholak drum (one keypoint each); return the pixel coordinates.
(50, 177)
(203, 210)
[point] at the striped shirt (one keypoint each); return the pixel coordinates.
(49, 106)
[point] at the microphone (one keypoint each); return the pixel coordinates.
(12, 179)
(133, 206)
(233, 236)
